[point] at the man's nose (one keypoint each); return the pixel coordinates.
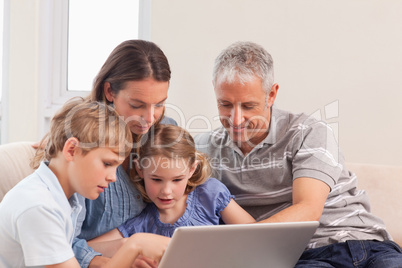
(237, 116)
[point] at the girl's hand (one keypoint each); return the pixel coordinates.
(144, 262)
(151, 246)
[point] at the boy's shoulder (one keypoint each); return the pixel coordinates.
(29, 193)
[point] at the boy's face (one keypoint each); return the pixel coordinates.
(90, 174)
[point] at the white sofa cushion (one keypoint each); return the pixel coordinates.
(14, 164)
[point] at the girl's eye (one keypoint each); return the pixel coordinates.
(177, 180)
(107, 164)
(156, 180)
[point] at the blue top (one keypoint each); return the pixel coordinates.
(118, 203)
(204, 205)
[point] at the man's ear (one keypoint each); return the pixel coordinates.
(138, 168)
(107, 90)
(272, 95)
(70, 148)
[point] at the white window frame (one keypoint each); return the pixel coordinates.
(53, 36)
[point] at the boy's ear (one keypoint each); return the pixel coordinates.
(138, 169)
(70, 148)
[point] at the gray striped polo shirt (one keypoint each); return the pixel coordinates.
(297, 146)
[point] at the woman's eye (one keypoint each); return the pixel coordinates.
(135, 107)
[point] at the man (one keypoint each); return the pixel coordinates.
(287, 167)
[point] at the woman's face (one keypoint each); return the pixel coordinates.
(141, 103)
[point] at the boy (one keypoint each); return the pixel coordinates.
(86, 143)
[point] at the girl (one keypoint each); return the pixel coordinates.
(86, 143)
(174, 179)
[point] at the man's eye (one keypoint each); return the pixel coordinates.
(248, 107)
(159, 105)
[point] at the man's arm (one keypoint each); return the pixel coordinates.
(309, 196)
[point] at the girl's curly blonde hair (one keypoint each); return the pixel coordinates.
(172, 142)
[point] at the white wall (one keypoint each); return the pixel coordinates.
(20, 103)
(344, 55)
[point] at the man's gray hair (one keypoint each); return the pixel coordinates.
(244, 61)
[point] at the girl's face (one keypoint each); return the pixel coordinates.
(166, 180)
(141, 103)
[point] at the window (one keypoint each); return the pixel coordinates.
(93, 33)
(81, 34)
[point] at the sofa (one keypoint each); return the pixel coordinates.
(382, 183)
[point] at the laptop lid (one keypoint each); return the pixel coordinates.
(277, 245)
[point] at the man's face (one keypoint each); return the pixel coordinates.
(244, 111)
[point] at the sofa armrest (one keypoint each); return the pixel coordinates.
(383, 184)
(15, 161)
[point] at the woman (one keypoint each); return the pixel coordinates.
(135, 80)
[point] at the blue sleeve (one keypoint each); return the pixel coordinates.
(131, 226)
(83, 253)
(214, 194)
(168, 121)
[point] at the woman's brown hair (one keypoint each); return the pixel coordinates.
(132, 60)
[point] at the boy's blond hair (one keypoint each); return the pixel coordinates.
(94, 124)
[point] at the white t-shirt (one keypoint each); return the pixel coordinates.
(37, 222)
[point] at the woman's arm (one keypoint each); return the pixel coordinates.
(111, 235)
(235, 214)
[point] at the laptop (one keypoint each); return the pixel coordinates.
(277, 245)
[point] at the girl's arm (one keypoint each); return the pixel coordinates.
(235, 214)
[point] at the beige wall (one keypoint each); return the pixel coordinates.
(344, 55)
(341, 55)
